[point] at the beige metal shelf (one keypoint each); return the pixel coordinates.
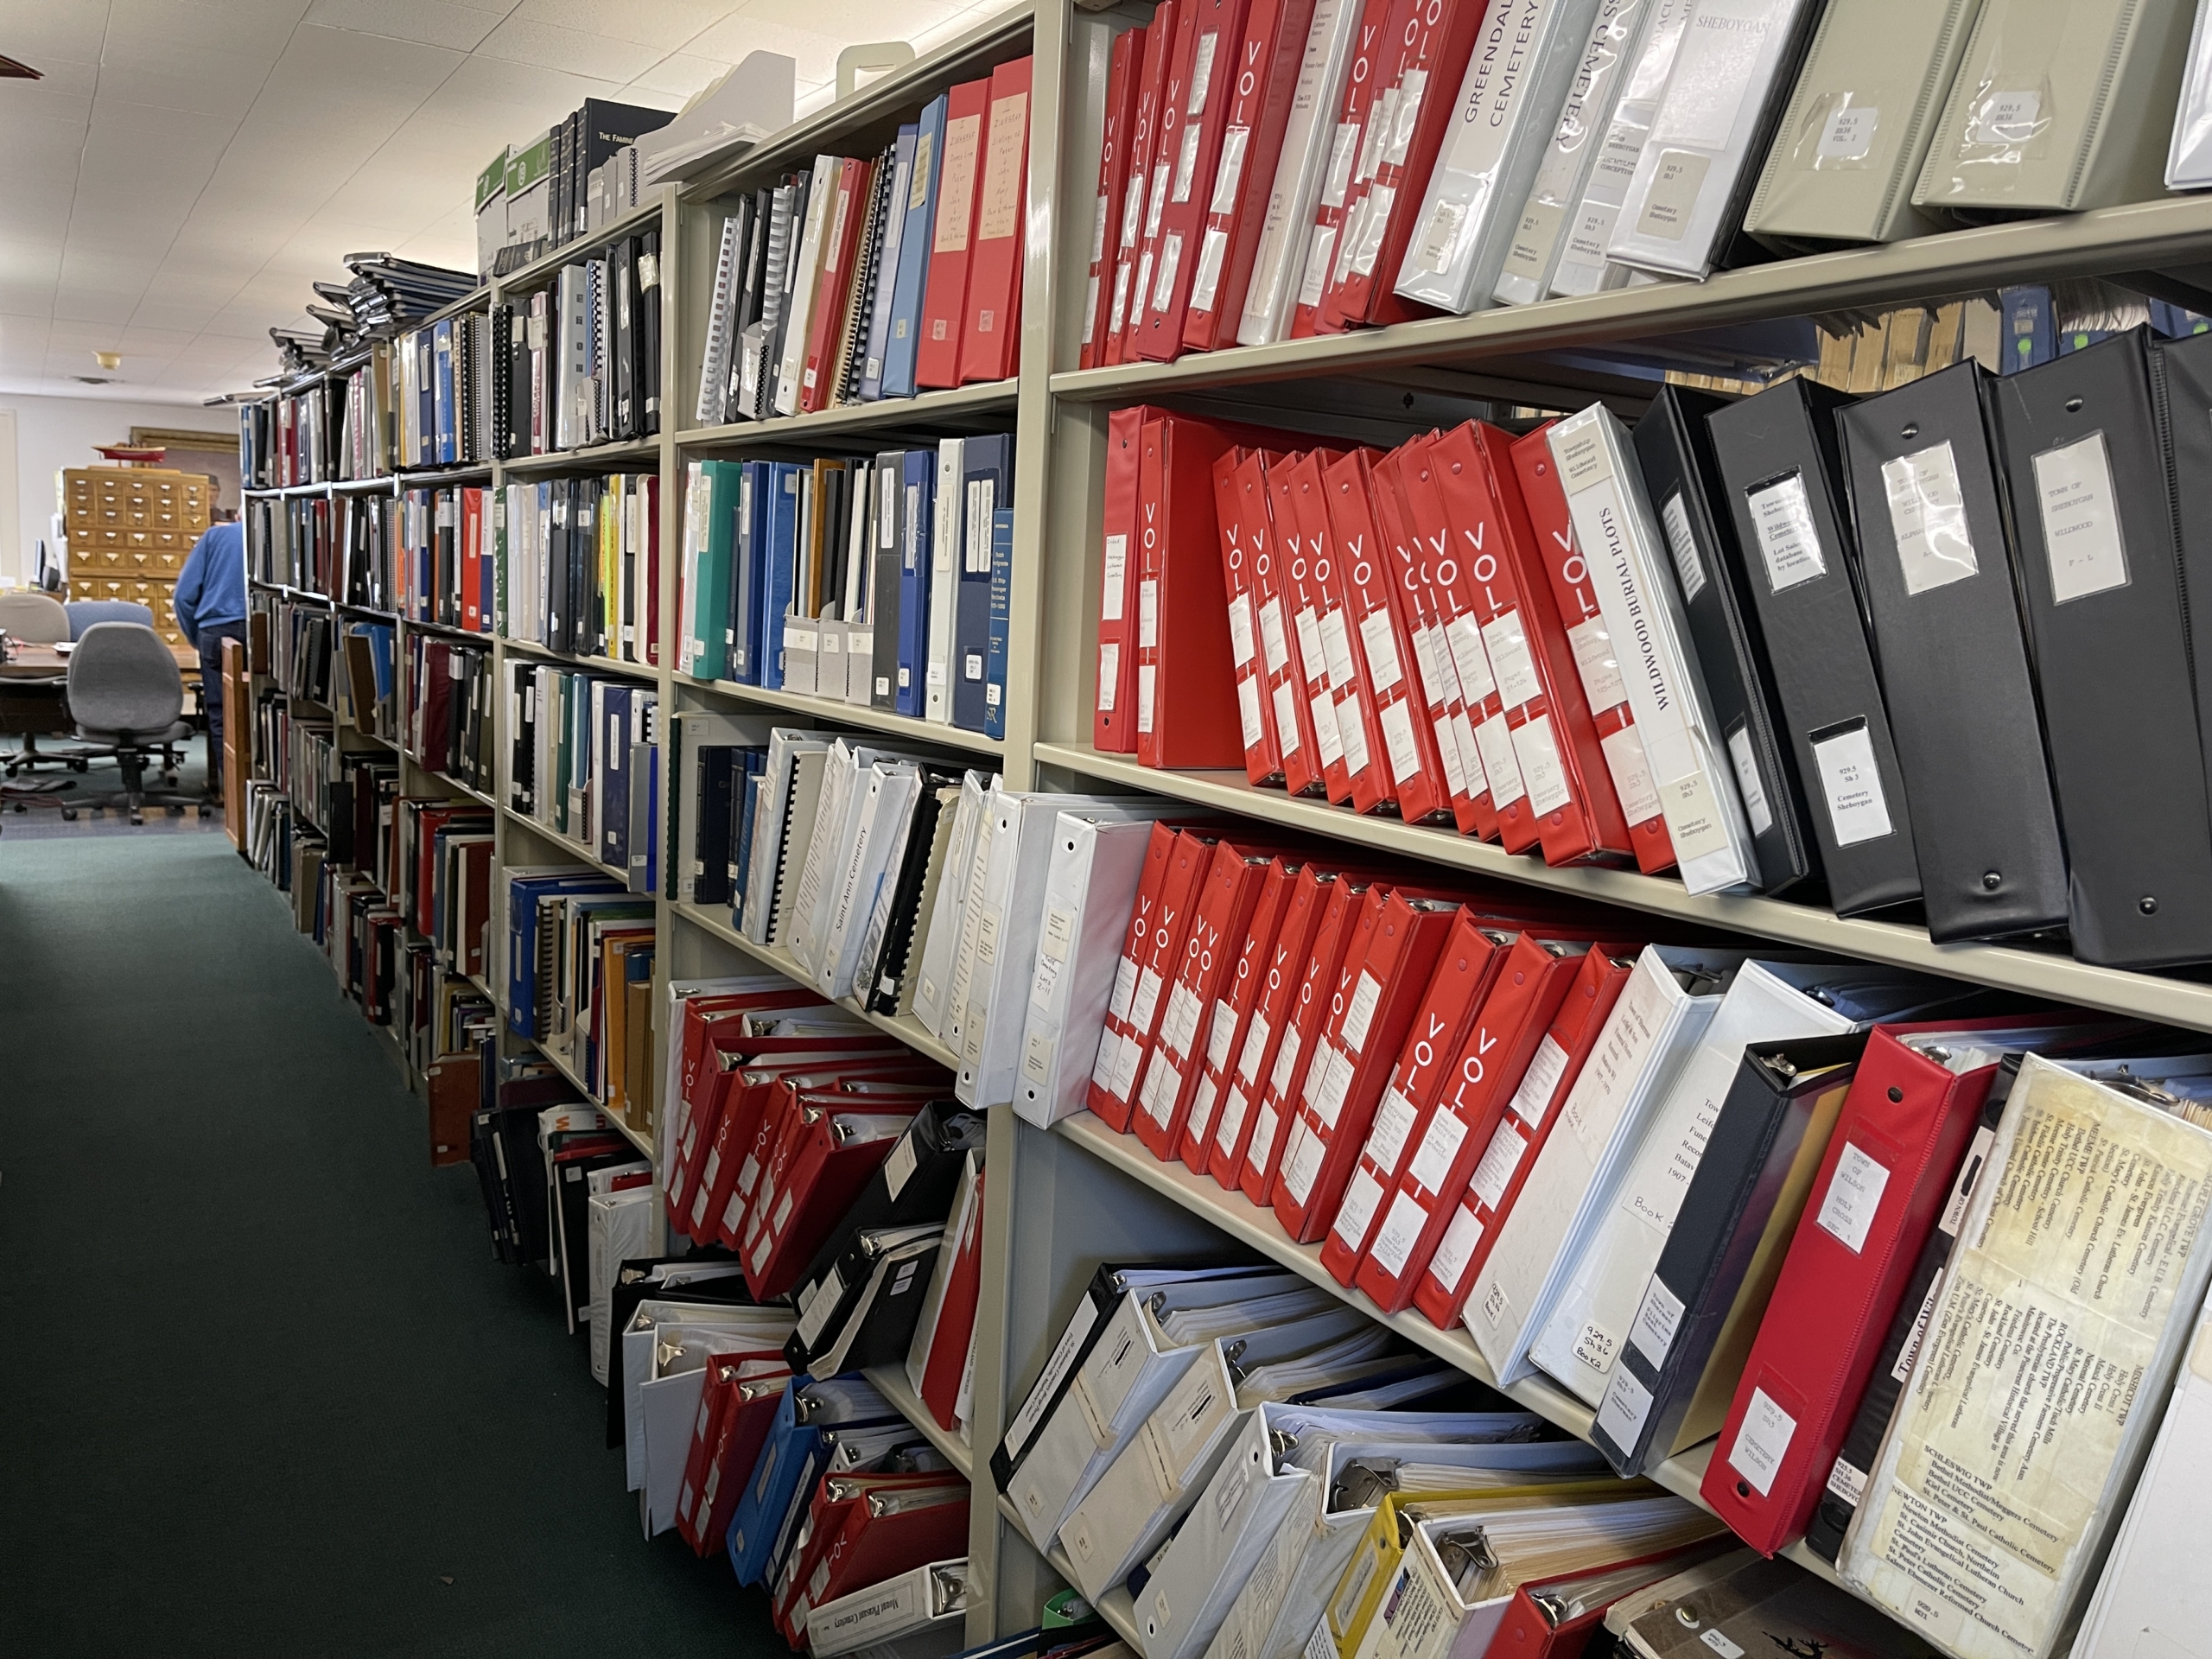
(834, 713)
(643, 217)
(2175, 231)
(923, 409)
(907, 1029)
(1244, 1221)
(890, 1382)
(637, 1138)
(601, 664)
(2034, 973)
(568, 844)
(598, 454)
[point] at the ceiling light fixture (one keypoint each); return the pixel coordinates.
(108, 359)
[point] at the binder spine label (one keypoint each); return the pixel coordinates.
(1852, 782)
(1788, 544)
(1927, 516)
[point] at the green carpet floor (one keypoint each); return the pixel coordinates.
(264, 1390)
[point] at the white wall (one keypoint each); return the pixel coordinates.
(52, 433)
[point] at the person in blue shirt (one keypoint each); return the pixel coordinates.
(210, 605)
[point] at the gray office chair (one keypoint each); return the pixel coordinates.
(124, 692)
(86, 613)
(40, 619)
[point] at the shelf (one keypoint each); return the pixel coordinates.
(850, 713)
(890, 1382)
(602, 665)
(602, 455)
(446, 630)
(389, 484)
(576, 849)
(838, 128)
(423, 477)
(285, 591)
(643, 217)
(907, 1029)
(449, 780)
(2174, 231)
(370, 612)
(2016, 967)
(1244, 1221)
(636, 1137)
(924, 409)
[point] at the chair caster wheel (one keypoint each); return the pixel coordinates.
(20, 807)
(205, 811)
(80, 766)
(68, 814)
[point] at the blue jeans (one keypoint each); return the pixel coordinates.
(211, 690)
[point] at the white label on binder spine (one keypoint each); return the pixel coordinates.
(1854, 1194)
(1632, 772)
(1316, 275)
(1255, 1049)
(1537, 750)
(1380, 643)
(1506, 642)
(2081, 530)
(1397, 721)
(1927, 517)
(1312, 661)
(1762, 1442)
(1240, 628)
(1202, 74)
(1285, 719)
(1439, 1147)
(1400, 1232)
(1540, 1083)
(1657, 1318)
(1302, 1162)
(899, 1166)
(1456, 1248)
(1285, 1062)
(1328, 1084)
(1853, 784)
(1447, 755)
(1847, 1481)
(1672, 200)
(1109, 672)
(1600, 668)
(1206, 281)
(1171, 255)
(1848, 133)
(1335, 649)
(1684, 545)
(1627, 1404)
(1271, 636)
(1117, 578)
(1493, 738)
(1231, 173)
(1360, 1197)
(1221, 1031)
(1248, 711)
(1342, 153)
(1500, 1158)
(1693, 820)
(1360, 1012)
(1148, 615)
(1747, 780)
(1125, 991)
(1788, 543)
(1146, 1002)
(1721, 1645)
(1147, 677)
(1394, 1120)
(2006, 119)
(1179, 1029)
(1325, 732)
(1470, 661)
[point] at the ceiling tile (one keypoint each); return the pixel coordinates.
(548, 46)
(432, 22)
(664, 23)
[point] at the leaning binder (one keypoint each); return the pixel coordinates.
(1780, 473)
(2181, 385)
(1858, 126)
(2101, 584)
(1683, 479)
(1947, 629)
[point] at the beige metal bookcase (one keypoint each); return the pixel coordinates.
(1059, 1203)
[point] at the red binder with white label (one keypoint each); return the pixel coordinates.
(991, 328)
(841, 247)
(1382, 650)
(1442, 1287)
(1354, 142)
(1905, 1127)
(1464, 971)
(1229, 1021)
(1127, 305)
(1237, 205)
(1435, 686)
(1208, 79)
(959, 184)
(1304, 1020)
(1114, 710)
(1220, 920)
(1121, 75)
(1242, 545)
(1596, 657)
(1320, 640)
(1458, 634)
(1445, 1152)
(1282, 680)
(1273, 1002)
(954, 1331)
(1186, 715)
(1148, 960)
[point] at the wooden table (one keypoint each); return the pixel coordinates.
(44, 662)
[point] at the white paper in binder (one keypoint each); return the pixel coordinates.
(1635, 584)
(1732, 66)
(1301, 162)
(1671, 996)
(1583, 267)
(1128, 1370)
(1609, 54)
(1091, 887)
(933, 973)
(1597, 1311)
(1508, 102)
